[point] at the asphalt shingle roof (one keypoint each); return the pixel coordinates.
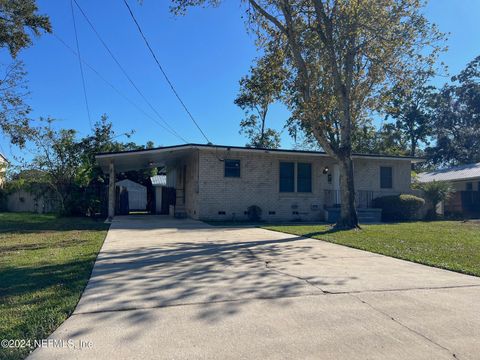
(461, 172)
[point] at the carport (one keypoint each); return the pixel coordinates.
(172, 158)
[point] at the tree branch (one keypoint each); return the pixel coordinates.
(268, 16)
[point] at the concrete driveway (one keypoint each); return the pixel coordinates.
(180, 289)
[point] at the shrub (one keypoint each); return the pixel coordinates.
(399, 207)
(436, 192)
(254, 213)
(3, 199)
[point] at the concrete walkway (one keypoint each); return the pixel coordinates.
(164, 288)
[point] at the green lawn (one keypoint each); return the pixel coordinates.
(451, 245)
(45, 263)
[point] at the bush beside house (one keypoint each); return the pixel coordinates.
(402, 207)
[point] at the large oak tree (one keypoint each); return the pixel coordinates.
(341, 57)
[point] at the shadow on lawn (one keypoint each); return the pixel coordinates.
(43, 245)
(71, 275)
(331, 230)
(41, 297)
(36, 223)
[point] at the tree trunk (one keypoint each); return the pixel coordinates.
(262, 134)
(348, 213)
(413, 151)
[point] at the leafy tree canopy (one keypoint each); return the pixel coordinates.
(18, 20)
(410, 104)
(66, 165)
(258, 91)
(457, 120)
(14, 112)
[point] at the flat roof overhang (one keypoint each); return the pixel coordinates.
(165, 156)
(136, 160)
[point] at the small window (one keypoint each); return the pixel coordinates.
(304, 177)
(287, 177)
(386, 178)
(232, 168)
(469, 186)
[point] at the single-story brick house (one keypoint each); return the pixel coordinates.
(465, 179)
(213, 182)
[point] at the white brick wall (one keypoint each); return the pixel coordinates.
(209, 192)
(367, 175)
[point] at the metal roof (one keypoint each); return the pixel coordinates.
(159, 180)
(462, 172)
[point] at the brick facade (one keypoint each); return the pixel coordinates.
(209, 195)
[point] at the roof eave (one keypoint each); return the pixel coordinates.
(238, 148)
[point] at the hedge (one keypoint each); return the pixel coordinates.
(402, 207)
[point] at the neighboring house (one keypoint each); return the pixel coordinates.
(137, 194)
(3, 169)
(466, 182)
(220, 182)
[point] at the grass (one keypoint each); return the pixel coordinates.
(261, 223)
(451, 245)
(233, 223)
(45, 263)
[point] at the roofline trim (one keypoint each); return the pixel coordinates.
(241, 148)
(476, 177)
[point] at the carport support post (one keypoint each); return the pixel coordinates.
(111, 191)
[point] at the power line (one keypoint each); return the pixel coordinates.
(118, 91)
(80, 63)
(97, 34)
(163, 72)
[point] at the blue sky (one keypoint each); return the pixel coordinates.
(205, 53)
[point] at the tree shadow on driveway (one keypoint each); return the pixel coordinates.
(218, 276)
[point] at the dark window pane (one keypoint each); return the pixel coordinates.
(386, 181)
(287, 177)
(232, 168)
(304, 177)
(469, 186)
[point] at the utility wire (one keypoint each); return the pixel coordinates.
(97, 34)
(163, 72)
(133, 103)
(80, 63)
